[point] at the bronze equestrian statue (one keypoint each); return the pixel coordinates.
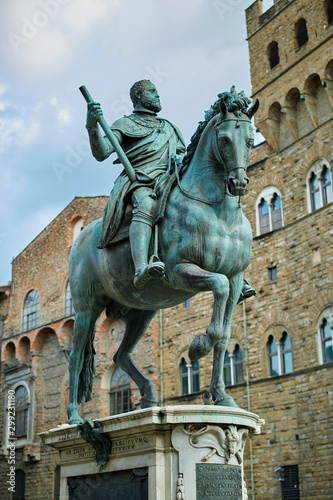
(151, 144)
(203, 242)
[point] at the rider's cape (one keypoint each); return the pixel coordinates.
(149, 150)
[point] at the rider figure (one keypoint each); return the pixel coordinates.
(151, 145)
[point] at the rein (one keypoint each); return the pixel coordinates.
(217, 202)
(200, 200)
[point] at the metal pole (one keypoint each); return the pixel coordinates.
(112, 138)
(161, 355)
(248, 394)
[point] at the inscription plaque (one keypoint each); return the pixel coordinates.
(218, 481)
(126, 484)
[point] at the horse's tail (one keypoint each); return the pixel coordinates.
(87, 373)
(84, 333)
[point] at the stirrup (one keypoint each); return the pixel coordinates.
(153, 270)
(247, 292)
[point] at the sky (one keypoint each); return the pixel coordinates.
(190, 49)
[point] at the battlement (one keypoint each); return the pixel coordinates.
(256, 17)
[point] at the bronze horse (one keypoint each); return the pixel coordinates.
(205, 242)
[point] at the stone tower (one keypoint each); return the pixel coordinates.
(290, 47)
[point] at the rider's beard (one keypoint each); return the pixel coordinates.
(153, 104)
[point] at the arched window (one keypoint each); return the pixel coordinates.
(68, 309)
(329, 11)
(319, 183)
(31, 310)
(19, 493)
(279, 355)
(273, 357)
(227, 369)
(326, 341)
(301, 33)
(239, 373)
(276, 211)
(269, 210)
(315, 192)
(326, 185)
(77, 228)
(233, 367)
(120, 393)
(286, 356)
(21, 411)
(189, 375)
(264, 217)
(273, 54)
(10, 352)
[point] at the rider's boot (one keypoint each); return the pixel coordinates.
(247, 291)
(140, 234)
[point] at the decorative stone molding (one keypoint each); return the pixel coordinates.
(225, 442)
(181, 447)
(180, 494)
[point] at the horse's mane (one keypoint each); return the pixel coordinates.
(235, 102)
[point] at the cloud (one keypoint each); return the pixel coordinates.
(183, 47)
(63, 116)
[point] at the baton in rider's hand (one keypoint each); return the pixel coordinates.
(98, 114)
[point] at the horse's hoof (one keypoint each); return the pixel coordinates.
(73, 414)
(148, 403)
(76, 419)
(198, 348)
(226, 401)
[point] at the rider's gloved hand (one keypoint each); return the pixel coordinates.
(93, 114)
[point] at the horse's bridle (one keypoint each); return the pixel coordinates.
(216, 149)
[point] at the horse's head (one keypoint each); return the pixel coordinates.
(234, 138)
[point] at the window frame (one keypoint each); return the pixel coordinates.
(281, 333)
(301, 29)
(283, 354)
(272, 355)
(20, 440)
(29, 310)
(77, 227)
(232, 365)
(289, 479)
(329, 11)
(272, 273)
(273, 57)
(326, 314)
(22, 414)
(187, 378)
(68, 301)
(317, 169)
(119, 390)
(268, 195)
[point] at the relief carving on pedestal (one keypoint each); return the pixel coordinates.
(226, 442)
(180, 494)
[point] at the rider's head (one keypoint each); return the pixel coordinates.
(145, 96)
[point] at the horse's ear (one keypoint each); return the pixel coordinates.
(223, 108)
(253, 109)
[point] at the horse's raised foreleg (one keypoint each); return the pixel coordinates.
(137, 323)
(81, 353)
(217, 386)
(191, 277)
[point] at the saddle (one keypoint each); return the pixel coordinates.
(123, 232)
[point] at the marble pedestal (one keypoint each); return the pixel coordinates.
(191, 452)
